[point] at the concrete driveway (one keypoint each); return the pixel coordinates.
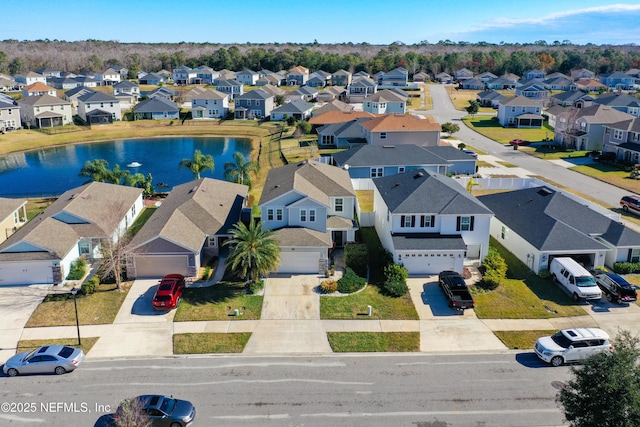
(290, 321)
(444, 329)
(17, 304)
(138, 330)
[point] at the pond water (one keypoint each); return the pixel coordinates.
(52, 171)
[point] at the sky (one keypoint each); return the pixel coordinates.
(329, 21)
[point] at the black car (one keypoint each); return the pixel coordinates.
(616, 288)
(161, 411)
(605, 156)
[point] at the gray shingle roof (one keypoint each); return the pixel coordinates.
(193, 211)
(550, 221)
(428, 193)
(97, 97)
(428, 241)
(395, 155)
(156, 104)
(316, 180)
(294, 107)
(297, 236)
(43, 100)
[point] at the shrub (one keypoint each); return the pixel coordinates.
(396, 288)
(494, 261)
(89, 286)
(544, 274)
(77, 270)
(329, 286)
(327, 273)
(356, 257)
(350, 282)
(491, 280)
(254, 288)
(207, 273)
(626, 267)
(396, 280)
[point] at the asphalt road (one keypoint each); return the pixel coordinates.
(340, 390)
(443, 111)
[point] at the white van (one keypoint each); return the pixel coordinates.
(575, 279)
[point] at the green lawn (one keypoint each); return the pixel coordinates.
(345, 342)
(491, 129)
(521, 340)
(523, 295)
(98, 308)
(365, 200)
(355, 306)
(218, 302)
(141, 220)
(610, 174)
(203, 343)
(87, 343)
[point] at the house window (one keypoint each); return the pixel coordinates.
(84, 248)
(407, 221)
(503, 232)
(312, 215)
(618, 134)
(133, 211)
(278, 214)
(401, 169)
(427, 221)
(634, 255)
(377, 172)
(383, 135)
(211, 241)
(339, 205)
(303, 215)
(269, 214)
(513, 109)
(464, 223)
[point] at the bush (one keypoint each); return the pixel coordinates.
(396, 280)
(626, 267)
(77, 270)
(491, 280)
(254, 288)
(89, 286)
(495, 270)
(329, 286)
(356, 257)
(350, 282)
(544, 274)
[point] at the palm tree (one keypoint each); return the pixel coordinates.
(240, 170)
(254, 251)
(199, 163)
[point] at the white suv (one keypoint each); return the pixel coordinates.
(571, 345)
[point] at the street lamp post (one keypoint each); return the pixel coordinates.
(74, 291)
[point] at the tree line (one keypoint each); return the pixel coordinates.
(445, 56)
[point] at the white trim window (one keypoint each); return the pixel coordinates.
(377, 172)
(618, 134)
(339, 205)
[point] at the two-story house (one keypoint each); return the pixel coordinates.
(429, 223)
(30, 78)
(45, 111)
(311, 207)
(534, 90)
(247, 77)
(520, 112)
(99, 108)
(396, 129)
(209, 104)
(618, 81)
(341, 78)
(623, 138)
(9, 114)
(41, 251)
(583, 128)
(126, 88)
(109, 77)
(184, 75)
(385, 102)
(620, 101)
(297, 76)
(231, 87)
(360, 88)
(397, 77)
(205, 75)
(365, 161)
(256, 104)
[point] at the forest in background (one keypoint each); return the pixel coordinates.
(444, 56)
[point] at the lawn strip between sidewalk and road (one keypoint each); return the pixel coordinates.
(361, 342)
(87, 343)
(210, 342)
(521, 340)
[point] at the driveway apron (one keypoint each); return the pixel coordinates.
(290, 321)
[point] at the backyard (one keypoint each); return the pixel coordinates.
(486, 126)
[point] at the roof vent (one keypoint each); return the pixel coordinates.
(418, 175)
(544, 191)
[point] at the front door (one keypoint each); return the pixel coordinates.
(336, 236)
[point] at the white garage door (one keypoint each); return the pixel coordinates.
(299, 262)
(161, 265)
(25, 273)
(427, 264)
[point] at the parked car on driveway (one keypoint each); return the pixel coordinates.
(572, 345)
(616, 288)
(161, 411)
(630, 203)
(455, 290)
(574, 279)
(606, 156)
(48, 359)
(169, 292)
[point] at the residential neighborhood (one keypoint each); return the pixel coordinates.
(360, 188)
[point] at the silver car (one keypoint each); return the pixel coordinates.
(56, 359)
(160, 411)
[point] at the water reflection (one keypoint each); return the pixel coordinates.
(55, 170)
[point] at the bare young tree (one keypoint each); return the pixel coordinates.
(113, 246)
(130, 413)
(566, 126)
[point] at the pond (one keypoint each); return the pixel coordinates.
(52, 171)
